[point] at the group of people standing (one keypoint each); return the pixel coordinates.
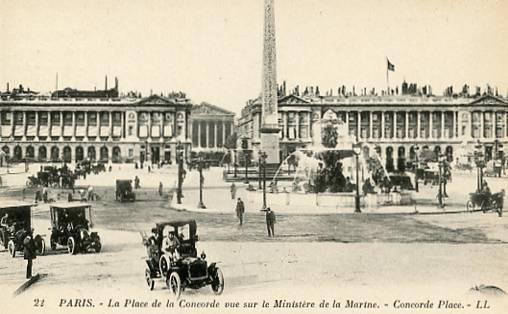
(240, 213)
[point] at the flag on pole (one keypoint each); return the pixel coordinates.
(390, 66)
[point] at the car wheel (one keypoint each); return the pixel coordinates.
(218, 282)
(11, 247)
(41, 247)
(469, 206)
(71, 246)
(164, 265)
(149, 281)
(98, 247)
(174, 284)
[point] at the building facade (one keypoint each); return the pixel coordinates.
(211, 127)
(119, 129)
(394, 126)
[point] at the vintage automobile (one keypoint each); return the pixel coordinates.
(16, 223)
(479, 201)
(70, 227)
(124, 191)
(187, 270)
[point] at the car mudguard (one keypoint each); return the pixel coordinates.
(211, 269)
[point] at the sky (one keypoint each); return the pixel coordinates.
(212, 49)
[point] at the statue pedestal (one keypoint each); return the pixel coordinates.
(270, 145)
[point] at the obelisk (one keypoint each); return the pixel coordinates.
(270, 122)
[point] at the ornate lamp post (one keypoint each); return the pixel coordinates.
(262, 163)
(246, 154)
(357, 149)
(259, 171)
(201, 182)
(441, 165)
(480, 164)
(180, 157)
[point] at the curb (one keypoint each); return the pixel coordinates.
(28, 283)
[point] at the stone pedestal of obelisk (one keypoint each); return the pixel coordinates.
(270, 124)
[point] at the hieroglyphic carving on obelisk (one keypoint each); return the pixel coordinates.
(270, 127)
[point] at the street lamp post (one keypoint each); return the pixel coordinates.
(357, 150)
(479, 161)
(179, 156)
(441, 181)
(262, 162)
(259, 171)
(417, 166)
(201, 182)
(235, 165)
(246, 157)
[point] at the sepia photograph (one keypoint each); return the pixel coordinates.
(253, 156)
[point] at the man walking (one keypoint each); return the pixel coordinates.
(240, 210)
(160, 189)
(29, 253)
(270, 222)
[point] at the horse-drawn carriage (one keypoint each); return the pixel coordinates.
(482, 201)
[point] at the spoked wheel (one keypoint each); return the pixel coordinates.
(469, 206)
(174, 284)
(163, 265)
(41, 247)
(218, 282)
(98, 247)
(71, 246)
(149, 281)
(11, 248)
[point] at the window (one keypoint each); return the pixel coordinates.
(131, 152)
(304, 125)
(291, 125)
(130, 130)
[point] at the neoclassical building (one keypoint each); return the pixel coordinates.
(393, 125)
(70, 127)
(211, 127)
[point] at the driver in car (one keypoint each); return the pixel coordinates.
(171, 245)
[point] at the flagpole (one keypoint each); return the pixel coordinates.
(387, 79)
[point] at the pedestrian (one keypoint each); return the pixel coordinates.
(136, 182)
(29, 253)
(270, 222)
(240, 210)
(233, 191)
(37, 196)
(45, 194)
(160, 188)
(149, 168)
(90, 193)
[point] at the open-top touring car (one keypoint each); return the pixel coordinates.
(181, 269)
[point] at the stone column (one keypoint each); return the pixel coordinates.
(370, 125)
(207, 134)
(24, 125)
(86, 128)
(382, 125)
(285, 123)
(431, 135)
(482, 124)
(215, 134)
(199, 132)
(394, 126)
(297, 117)
(122, 125)
(50, 125)
(223, 134)
(347, 122)
(61, 127)
(13, 116)
(493, 124)
(74, 125)
(418, 117)
(442, 124)
(407, 125)
(36, 127)
(455, 127)
(359, 124)
(110, 114)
